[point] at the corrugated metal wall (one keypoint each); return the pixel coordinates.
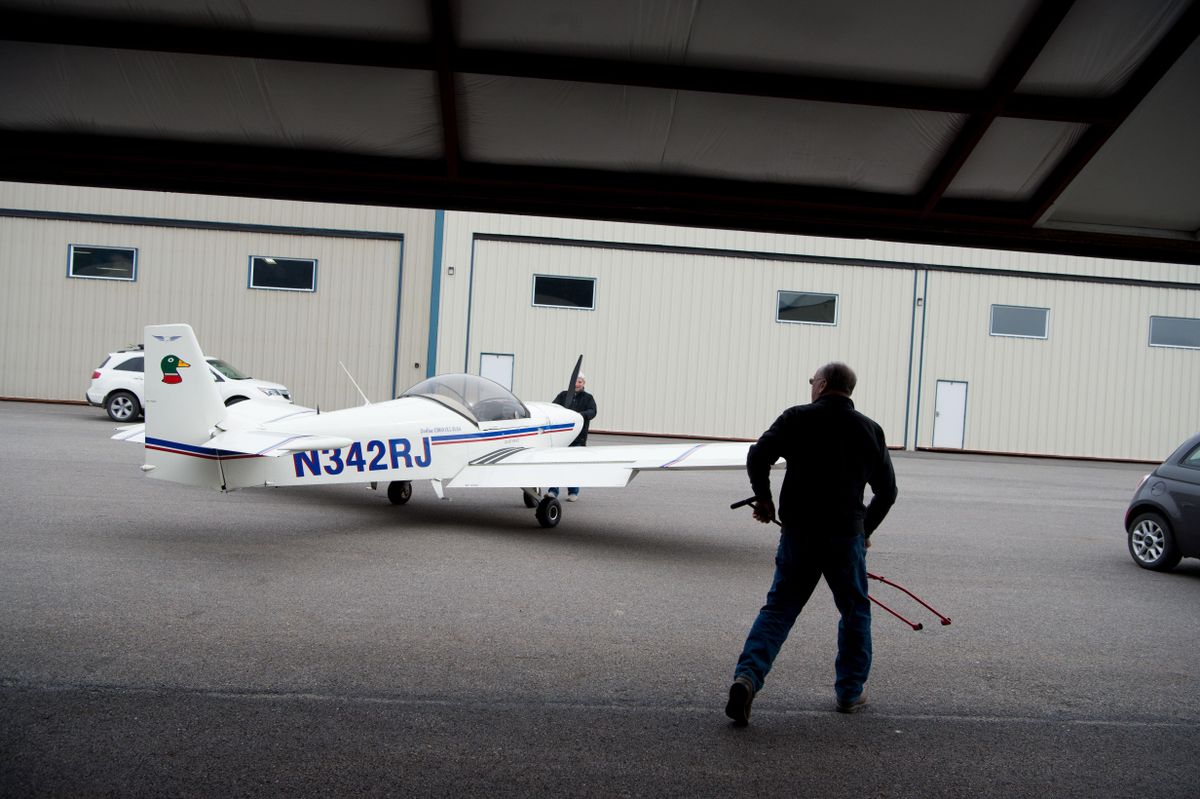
(683, 339)
(688, 344)
(57, 329)
(1092, 388)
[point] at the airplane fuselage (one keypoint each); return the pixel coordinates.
(404, 439)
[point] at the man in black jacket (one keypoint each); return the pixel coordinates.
(833, 452)
(584, 404)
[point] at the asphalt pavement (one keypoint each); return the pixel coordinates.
(159, 640)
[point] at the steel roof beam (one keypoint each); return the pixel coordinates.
(1004, 82)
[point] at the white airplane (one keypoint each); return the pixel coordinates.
(456, 431)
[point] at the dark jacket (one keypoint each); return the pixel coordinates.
(832, 453)
(583, 404)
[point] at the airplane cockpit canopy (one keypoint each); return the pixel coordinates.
(477, 398)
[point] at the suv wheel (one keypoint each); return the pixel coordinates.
(122, 406)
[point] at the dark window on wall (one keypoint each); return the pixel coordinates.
(806, 307)
(102, 263)
(564, 292)
(1019, 321)
(284, 274)
(1174, 331)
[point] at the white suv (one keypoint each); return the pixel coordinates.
(117, 384)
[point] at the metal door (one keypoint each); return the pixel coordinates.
(949, 414)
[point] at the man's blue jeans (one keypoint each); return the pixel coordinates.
(800, 562)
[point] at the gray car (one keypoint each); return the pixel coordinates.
(1163, 519)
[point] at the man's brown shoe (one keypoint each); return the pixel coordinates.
(852, 705)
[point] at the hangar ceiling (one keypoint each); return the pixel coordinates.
(1042, 125)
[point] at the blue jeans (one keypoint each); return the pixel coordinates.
(571, 492)
(800, 562)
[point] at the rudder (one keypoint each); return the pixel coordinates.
(182, 407)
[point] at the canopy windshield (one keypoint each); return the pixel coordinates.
(483, 399)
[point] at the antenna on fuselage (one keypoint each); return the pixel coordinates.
(360, 391)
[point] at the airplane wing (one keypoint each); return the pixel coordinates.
(594, 467)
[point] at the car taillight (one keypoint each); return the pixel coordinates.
(95, 374)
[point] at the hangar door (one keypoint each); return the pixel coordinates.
(686, 343)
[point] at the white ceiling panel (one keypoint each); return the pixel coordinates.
(929, 41)
(822, 144)
(556, 123)
(244, 101)
(1099, 45)
(1013, 158)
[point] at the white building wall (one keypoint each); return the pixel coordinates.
(1093, 387)
(57, 329)
(688, 344)
(1089, 352)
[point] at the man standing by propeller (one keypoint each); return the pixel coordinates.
(583, 404)
(833, 452)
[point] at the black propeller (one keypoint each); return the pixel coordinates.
(574, 376)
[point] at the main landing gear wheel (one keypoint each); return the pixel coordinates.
(399, 491)
(528, 495)
(548, 511)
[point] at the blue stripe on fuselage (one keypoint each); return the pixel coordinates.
(190, 449)
(512, 432)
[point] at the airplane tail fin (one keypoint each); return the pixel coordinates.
(182, 407)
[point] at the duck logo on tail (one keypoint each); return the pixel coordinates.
(170, 369)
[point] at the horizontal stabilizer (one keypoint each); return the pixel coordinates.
(307, 443)
(272, 444)
(240, 442)
(135, 433)
(249, 414)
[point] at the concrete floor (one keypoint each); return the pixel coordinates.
(158, 640)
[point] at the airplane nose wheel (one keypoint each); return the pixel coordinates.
(548, 512)
(399, 491)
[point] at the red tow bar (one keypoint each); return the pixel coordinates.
(915, 625)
